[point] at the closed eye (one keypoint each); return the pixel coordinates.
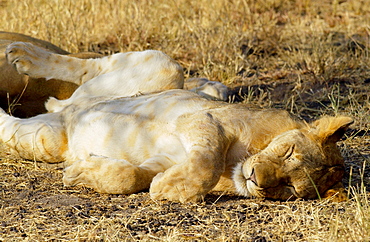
(292, 190)
(289, 152)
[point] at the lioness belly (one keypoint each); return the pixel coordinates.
(121, 136)
(134, 129)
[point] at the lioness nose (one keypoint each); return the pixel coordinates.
(252, 177)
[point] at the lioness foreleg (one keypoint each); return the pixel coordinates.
(192, 179)
(189, 181)
(114, 176)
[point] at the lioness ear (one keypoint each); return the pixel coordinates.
(331, 128)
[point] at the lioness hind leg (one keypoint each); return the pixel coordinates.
(37, 62)
(40, 138)
(27, 58)
(114, 176)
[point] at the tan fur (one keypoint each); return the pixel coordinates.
(181, 146)
(24, 96)
(206, 88)
(174, 143)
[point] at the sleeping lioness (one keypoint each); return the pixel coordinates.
(175, 143)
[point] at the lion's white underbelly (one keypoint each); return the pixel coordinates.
(124, 136)
(133, 129)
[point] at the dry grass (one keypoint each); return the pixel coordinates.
(309, 57)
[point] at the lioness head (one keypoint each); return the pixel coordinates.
(302, 163)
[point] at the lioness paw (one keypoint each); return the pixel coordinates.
(336, 194)
(27, 58)
(173, 189)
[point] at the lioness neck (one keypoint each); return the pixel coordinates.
(253, 130)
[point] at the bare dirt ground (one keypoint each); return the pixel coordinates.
(308, 57)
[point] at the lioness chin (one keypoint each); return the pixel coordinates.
(175, 143)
